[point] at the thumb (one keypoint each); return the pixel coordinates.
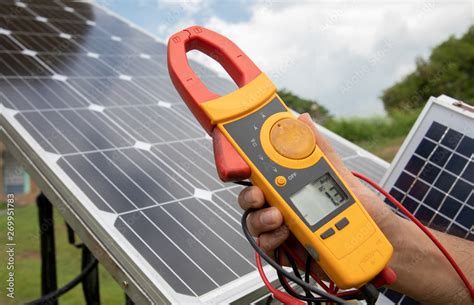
(306, 118)
(327, 148)
(321, 141)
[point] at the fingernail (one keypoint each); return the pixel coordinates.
(269, 217)
(281, 231)
(306, 115)
(248, 197)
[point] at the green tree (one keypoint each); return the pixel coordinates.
(317, 112)
(449, 70)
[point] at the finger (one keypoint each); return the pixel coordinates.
(264, 220)
(251, 198)
(321, 141)
(269, 241)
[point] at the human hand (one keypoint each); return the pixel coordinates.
(420, 267)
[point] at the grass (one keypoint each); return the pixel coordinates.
(384, 148)
(28, 266)
(379, 135)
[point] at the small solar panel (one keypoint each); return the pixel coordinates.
(433, 173)
(86, 103)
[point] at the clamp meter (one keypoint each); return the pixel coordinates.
(256, 136)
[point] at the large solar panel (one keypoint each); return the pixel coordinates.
(87, 105)
(433, 173)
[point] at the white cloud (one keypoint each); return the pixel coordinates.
(343, 53)
(179, 14)
(188, 6)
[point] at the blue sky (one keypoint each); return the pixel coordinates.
(151, 14)
(342, 53)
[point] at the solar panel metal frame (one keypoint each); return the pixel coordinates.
(70, 201)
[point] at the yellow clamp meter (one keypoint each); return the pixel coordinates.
(256, 136)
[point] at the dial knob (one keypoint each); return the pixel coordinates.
(292, 138)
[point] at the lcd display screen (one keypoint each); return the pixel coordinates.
(319, 198)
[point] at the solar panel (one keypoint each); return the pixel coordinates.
(433, 173)
(87, 105)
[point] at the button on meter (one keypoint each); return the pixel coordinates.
(292, 138)
(280, 181)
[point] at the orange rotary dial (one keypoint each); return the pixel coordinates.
(292, 138)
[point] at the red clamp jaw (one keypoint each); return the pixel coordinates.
(230, 165)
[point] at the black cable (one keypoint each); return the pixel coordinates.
(244, 183)
(288, 288)
(312, 299)
(296, 271)
(275, 265)
(57, 293)
(283, 282)
(292, 262)
(309, 259)
(370, 293)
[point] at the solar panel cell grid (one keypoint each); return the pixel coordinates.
(178, 261)
(450, 190)
(434, 198)
(101, 45)
(134, 65)
(7, 10)
(7, 44)
(468, 173)
(147, 252)
(76, 5)
(465, 148)
(78, 65)
(46, 43)
(362, 164)
(54, 13)
(20, 65)
(425, 148)
(111, 92)
(117, 27)
(37, 3)
(70, 131)
(145, 46)
(25, 25)
(436, 131)
(161, 88)
(46, 94)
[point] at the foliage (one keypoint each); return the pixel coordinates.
(449, 70)
(374, 129)
(317, 112)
